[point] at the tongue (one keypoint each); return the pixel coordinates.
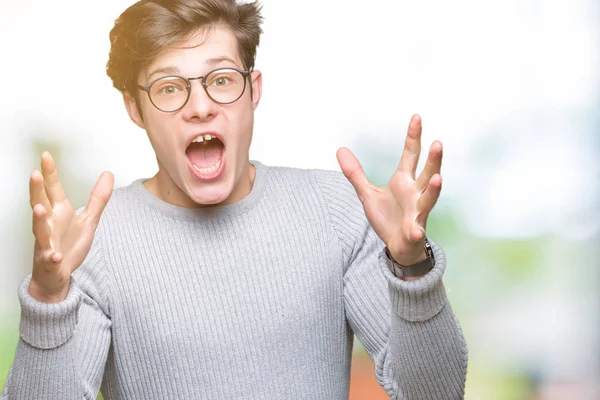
(205, 154)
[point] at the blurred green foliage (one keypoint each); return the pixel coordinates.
(9, 336)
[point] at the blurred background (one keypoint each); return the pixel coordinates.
(510, 87)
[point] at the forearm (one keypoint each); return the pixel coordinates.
(426, 360)
(50, 362)
(426, 355)
(44, 374)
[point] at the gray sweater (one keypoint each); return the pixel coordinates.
(254, 300)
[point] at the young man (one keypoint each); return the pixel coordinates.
(221, 277)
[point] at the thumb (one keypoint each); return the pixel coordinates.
(353, 171)
(99, 196)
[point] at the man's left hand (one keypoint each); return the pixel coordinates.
(398, 211)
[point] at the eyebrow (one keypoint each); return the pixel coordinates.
(218, 60)
(174, 70)
(164, 70)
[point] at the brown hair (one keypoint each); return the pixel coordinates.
(148, 27)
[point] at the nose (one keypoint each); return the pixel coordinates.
(199, 105)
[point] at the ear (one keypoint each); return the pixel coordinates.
(256, 79)
(132, 110)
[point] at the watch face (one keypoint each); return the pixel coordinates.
(429, 250)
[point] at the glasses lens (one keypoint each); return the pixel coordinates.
(225, 85)
(169, 93)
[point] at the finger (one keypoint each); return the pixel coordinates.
(99, 197)
(353, 171)
(432, 166)
(54, 189)
(37, 192)
(429, 198)
(412, 147)
(41, 228)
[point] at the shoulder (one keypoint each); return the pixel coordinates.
(328, 187)
(310, 178)
(119, 206)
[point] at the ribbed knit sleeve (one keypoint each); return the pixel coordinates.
(63, 346)
(407, 327)
(44, 325)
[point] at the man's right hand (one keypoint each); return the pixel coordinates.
(62, 238)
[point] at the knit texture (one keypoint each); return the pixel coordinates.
(259, 299)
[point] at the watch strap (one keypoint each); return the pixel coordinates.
(414, 270)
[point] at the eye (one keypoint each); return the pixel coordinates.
(169, 89)
(220, 81)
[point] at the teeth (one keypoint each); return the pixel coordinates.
(208, 170)
(202, 138)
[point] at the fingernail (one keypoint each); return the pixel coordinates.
(416, 120)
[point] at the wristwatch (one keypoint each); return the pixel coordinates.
(414, 270)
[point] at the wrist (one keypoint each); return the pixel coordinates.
(43, 296)
(411, 268)
(408, 260)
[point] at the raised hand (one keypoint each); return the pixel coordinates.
(62, 238)
(398, 211)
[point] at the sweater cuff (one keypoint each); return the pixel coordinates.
(46, 326)
(420, 299)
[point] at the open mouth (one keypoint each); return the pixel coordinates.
(206, 154)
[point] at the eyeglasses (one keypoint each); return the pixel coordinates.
(171, 93)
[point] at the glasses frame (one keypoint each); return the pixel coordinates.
(146, 88)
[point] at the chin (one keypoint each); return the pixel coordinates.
(210, 195)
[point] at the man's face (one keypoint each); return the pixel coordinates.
(213, 171)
